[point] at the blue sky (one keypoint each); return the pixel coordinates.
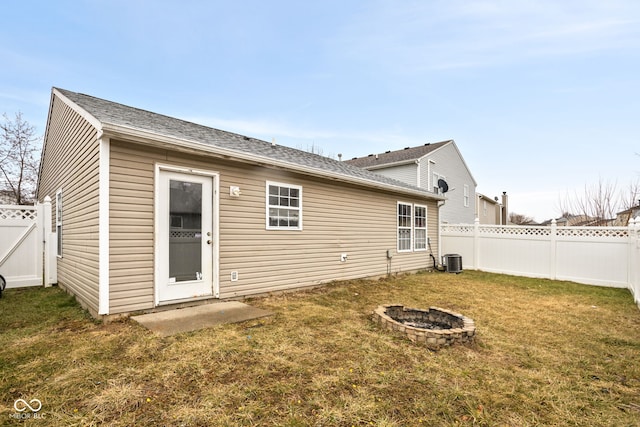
(542, 97)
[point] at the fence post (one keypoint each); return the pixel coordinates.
(476, 244)
(44, 221)
(553, 246)
(633, 263)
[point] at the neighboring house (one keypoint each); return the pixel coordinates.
(7, 197)
(491, 211)
(153, 211)
(425, 166)
(623, 218)
(580, 221)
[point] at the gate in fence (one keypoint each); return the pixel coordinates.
(25, 242)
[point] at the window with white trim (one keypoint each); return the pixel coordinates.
(59, 223)
(420, 228)
(435, 179)
(284, 206)
(466, 196)
(405, 217)
(412, 227)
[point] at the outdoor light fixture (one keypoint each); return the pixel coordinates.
(234, 191)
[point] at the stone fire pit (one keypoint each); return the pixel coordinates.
(434, 328)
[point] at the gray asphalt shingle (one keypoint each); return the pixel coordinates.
(108, 112)
(397, 156)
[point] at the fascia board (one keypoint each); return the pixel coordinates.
(83, 113)
(452, 142)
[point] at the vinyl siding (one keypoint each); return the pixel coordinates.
(449, 163)
(70, 162)
(131, 228)
(405, 173)
(337, 219)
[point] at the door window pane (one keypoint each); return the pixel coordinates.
(185, 231)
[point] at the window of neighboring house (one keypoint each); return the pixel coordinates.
(420, 228)
(59, 222)
(284, 206)
(405, 218)
(436, 178)
(466, 196)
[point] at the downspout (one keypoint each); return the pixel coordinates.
(440, 204)
(418, 180)
(103, 224)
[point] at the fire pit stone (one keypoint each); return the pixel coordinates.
(434, 328)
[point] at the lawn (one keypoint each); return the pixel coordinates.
(546, 353)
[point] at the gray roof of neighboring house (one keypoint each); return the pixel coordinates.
(397, 156)
(125, 117)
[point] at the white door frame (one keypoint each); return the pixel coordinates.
(160, 230)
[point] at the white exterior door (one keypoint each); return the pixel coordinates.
(185, 238)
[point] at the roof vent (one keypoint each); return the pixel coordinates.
(370, 155)
(387, 152)
(428, 143)
(406, 148)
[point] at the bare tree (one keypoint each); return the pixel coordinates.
(631, 197)
(19, 146)
(520, 219)
(315, 149)
(599, 202)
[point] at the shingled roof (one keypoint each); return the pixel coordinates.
(398, 156)
(114, 117)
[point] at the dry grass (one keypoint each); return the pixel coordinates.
(547, 353)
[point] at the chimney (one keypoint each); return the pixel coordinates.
(505, 208)
(339, 157)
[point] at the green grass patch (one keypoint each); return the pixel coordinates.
(546, 353)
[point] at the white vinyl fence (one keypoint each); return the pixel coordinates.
(604, 256)
(25, 243)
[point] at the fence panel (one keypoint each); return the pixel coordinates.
(605, 256)
(514, 250)
(20, 246)
(634, 260)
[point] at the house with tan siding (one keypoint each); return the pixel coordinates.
(152, 211)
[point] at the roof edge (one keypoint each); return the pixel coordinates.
(78, 109)
(156, 139)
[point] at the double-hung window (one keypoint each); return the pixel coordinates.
(434, 182)
(466, 196)
(59, 222)
(412, 227)
(405, 215)
(420, 228)
(284, 206)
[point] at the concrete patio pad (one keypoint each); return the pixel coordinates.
(170, 322)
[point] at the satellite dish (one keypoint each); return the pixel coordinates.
(443, 186)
